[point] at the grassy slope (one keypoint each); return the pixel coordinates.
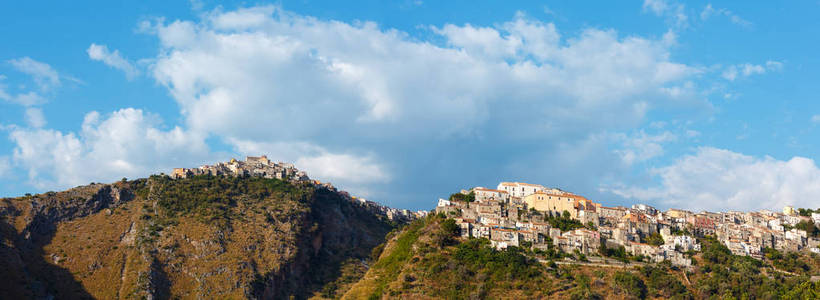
(416, 264)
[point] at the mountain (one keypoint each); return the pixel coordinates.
(225, 237)
(262, 230)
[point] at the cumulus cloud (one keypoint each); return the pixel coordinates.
(745, 70)
(642, 146)
(718, 179)
(127, 142)
(375, 109)
(345, 168)
(266, 75)
(35, 118)
(42, 73)
(112, 59)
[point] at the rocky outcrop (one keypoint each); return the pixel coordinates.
(336, 230)
(28, 223)
(48, 209)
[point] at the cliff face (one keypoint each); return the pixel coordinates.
(201, 237)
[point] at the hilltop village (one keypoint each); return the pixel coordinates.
(261, 166)
(533, 216)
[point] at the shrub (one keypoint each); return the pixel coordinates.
(629, 284)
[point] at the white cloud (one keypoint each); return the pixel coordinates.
(344, 167)
(44, 75)
(709, 12)
(5, 166)
(372, 108)
(692, 133)
(745, 70)
(126, 143)
(35, 118)
(641, 146)
(672, 10)
(656, 6)
(299, 70)
(28, 99)
(112, 59)
(718, 179)
(263, 74)
(350, 170)
(815, 119)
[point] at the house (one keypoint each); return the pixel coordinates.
(501, 238)
(466, 227)
(612, 214)
(646, 209)
(484, 195)
(789, 210)
(702, 225)
(678, 213)
(557, 204)
(685, 243)
(520, 189)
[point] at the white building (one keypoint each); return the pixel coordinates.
(484, 194)
(815, 217)
(686, 243)
(443, 202)
(520, 189)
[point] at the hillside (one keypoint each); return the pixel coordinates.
(199, 237)
(428, 260)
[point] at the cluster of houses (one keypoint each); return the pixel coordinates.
(258, 166)
(516, 214)
(261, 166)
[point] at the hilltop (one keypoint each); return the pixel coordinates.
(206, 235)
(527, 241)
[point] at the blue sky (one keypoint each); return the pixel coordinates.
(699, 105)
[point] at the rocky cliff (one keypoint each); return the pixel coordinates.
(200, 237)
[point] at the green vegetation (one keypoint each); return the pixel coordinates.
(806, 212)
(809, 227)
(429, 258)
(210, 198)
(654, 239)
(630, 284)
(389, 266)
(469, 197)
(474, 270)
(436, 263)
(741, 277)
(564, 222)
(788, 262)
(583, 289)
(616, 253)
(676, 231)
(661, 282)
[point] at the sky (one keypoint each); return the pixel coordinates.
(701, 105)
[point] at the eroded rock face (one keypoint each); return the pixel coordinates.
(112, 241)
(48, 209)
(29, 223)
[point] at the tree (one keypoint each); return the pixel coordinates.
(654, 239)
(469, 197)
(809, 227)
(630, 284)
